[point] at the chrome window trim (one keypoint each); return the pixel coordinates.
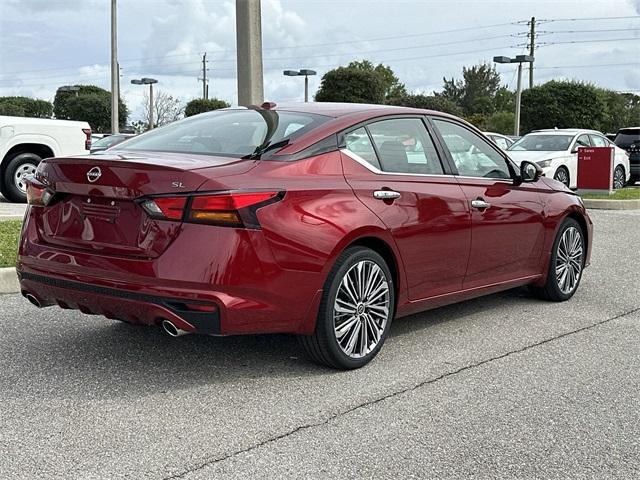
(373, 169)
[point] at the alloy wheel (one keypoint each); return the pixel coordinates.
(562, 176)
(22, 173)
(569, 262)
(361, 309)
(618, 178)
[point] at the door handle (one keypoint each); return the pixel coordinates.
(479, 203)
(386, 195)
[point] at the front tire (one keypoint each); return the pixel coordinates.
(20, 167)
(562, 175)
(355, 312)
(566, 263)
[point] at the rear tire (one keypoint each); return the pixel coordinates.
(355, 311)
(19, 167)
(565, 265)
(619, 178)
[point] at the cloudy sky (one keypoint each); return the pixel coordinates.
(48, 43)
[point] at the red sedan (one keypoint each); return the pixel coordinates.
(322, 220)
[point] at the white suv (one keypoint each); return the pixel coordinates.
(26, 141)
(556, 151)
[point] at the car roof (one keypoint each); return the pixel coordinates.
(497, 135)
(565, 131)
(337, 110)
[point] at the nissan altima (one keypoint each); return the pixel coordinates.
(322, 220)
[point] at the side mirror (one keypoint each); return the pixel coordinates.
(575, 150)
(530, 172)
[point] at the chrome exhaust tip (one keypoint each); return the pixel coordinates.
(33, 300)
(172, 330)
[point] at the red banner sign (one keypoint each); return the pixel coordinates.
(595, 168)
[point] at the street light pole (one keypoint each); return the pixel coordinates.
(516, 127)
(299, 73)
(519, 59)
(151, 106)
(150, 82)
(115, 93)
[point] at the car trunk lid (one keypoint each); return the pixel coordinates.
(96, 205)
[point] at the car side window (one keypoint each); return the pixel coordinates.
(583, 141)
(598, 141)
(358, 142)
(472, 154)
(501, 142)
(404, 146)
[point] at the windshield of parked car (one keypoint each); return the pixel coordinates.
(626, 138)
(542, 143)
(229, 133)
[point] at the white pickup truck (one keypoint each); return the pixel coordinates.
(25, 141)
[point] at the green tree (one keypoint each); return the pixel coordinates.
(563, 104)
(25, 107)
(89, 104)
(428, 102)
(200, 105)
(501, 122)
(11, 109)
(478, 82)
(393, 88)
(504, 100)
(623, 110)
(351, 85)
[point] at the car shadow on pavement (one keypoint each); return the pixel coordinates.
(98, 357)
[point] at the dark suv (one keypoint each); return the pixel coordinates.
(629, 140)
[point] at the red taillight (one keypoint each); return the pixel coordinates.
(87, 140)
(229, 209)
(169, 208)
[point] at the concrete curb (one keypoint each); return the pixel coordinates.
(606, 204)
(9, 281)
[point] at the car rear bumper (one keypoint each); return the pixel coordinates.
(193, 316)
(210, 280)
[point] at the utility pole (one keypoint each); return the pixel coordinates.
(249, 52)
(204, 77)
(532, 47)
(115, 72)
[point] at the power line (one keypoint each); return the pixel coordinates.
(548, 20)
(598, 65)
(342, 42)
(353, 53)
(589, 41)
(552, 32)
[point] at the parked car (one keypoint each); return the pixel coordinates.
(25, 141)
(629, 139)
(109, 141)
(556, 152)
(503, 141)
(318, 219)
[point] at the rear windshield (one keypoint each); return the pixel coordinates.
(228, 133)
(543, 143)
(626, 138)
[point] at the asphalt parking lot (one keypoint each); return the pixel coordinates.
(500, 387)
